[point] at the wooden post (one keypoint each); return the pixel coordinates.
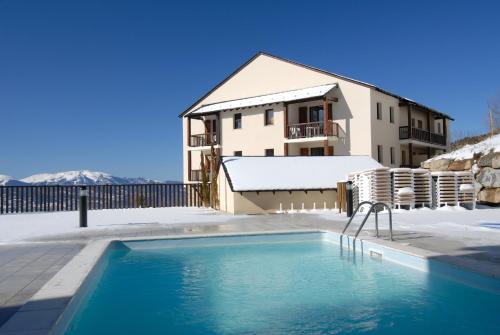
(409, 121)
(325, 118)
(286, 149)
(218, 130)
(285, 124)
(429, 122)
(445, 131)
(189, 165)
(410, 154)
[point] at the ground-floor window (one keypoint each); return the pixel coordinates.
(380, 154)
(403, 157)
(392, 155)
(269, 152)
(238, 153)
(318, 151)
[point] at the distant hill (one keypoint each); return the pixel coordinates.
(9, 181)
(83, 177)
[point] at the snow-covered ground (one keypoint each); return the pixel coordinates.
(468, 151)
(476, 227)
(19, 227)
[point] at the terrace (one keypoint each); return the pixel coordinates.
(33, 262)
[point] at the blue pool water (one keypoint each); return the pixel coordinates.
(296, 284)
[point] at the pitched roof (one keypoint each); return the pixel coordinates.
(293, 95)
(260, 53)
(288, 173)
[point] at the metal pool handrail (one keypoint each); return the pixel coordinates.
(373, 205)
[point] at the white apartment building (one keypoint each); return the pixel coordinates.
(272, 106)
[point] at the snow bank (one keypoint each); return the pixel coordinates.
(468, 151)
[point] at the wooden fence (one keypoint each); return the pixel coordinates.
(23, 199)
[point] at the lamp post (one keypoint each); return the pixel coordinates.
(349, 200)
(83, 206)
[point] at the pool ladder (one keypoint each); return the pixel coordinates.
(373, 205)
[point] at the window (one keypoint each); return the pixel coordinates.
(316, 114)
(439, 128)
(237, 121)
(380, 154)
(238, 153)
(379, 111)
(392, 155)
(269, 117)
(413, 123)
(269, 152)
(318, 151)
(391, 114)
(420, 124)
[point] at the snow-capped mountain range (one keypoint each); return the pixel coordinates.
(84, 177)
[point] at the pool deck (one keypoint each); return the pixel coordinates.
(26, 267)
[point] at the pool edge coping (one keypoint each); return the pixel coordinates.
(52, 300)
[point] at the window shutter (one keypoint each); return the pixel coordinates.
(304, 151)
(329, 151)
(302, 114)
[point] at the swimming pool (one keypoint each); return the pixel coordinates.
(271, 284)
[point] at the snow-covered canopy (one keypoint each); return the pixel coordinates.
(292, 172)
(305, 93)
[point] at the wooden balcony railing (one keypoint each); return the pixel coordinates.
(421, 135)
(195, 175)
(202, 140)
(312, 129)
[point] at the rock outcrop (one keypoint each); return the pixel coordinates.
(489, 177)
(489, 195)
(483, 159)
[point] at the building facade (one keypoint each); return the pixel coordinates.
(276, 107)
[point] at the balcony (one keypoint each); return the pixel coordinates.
(421, 135)
(203, 140)
(312, 130)
(195, 175)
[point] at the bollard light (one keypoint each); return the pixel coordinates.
(83, 206)
(349, 200)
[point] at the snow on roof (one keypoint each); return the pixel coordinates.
(468, 151)
(304, 93)
(292, 172)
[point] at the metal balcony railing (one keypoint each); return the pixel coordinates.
(421, 135)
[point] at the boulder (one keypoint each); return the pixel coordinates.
(487, 160)
(490, 195)
(460, 165)
(495, 161)
(477, 188)
(437, 164)
(489, 177)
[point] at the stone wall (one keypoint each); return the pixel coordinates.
(486, 169)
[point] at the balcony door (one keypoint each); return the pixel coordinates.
(316, 114)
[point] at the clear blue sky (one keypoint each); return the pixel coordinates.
(99, 84)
